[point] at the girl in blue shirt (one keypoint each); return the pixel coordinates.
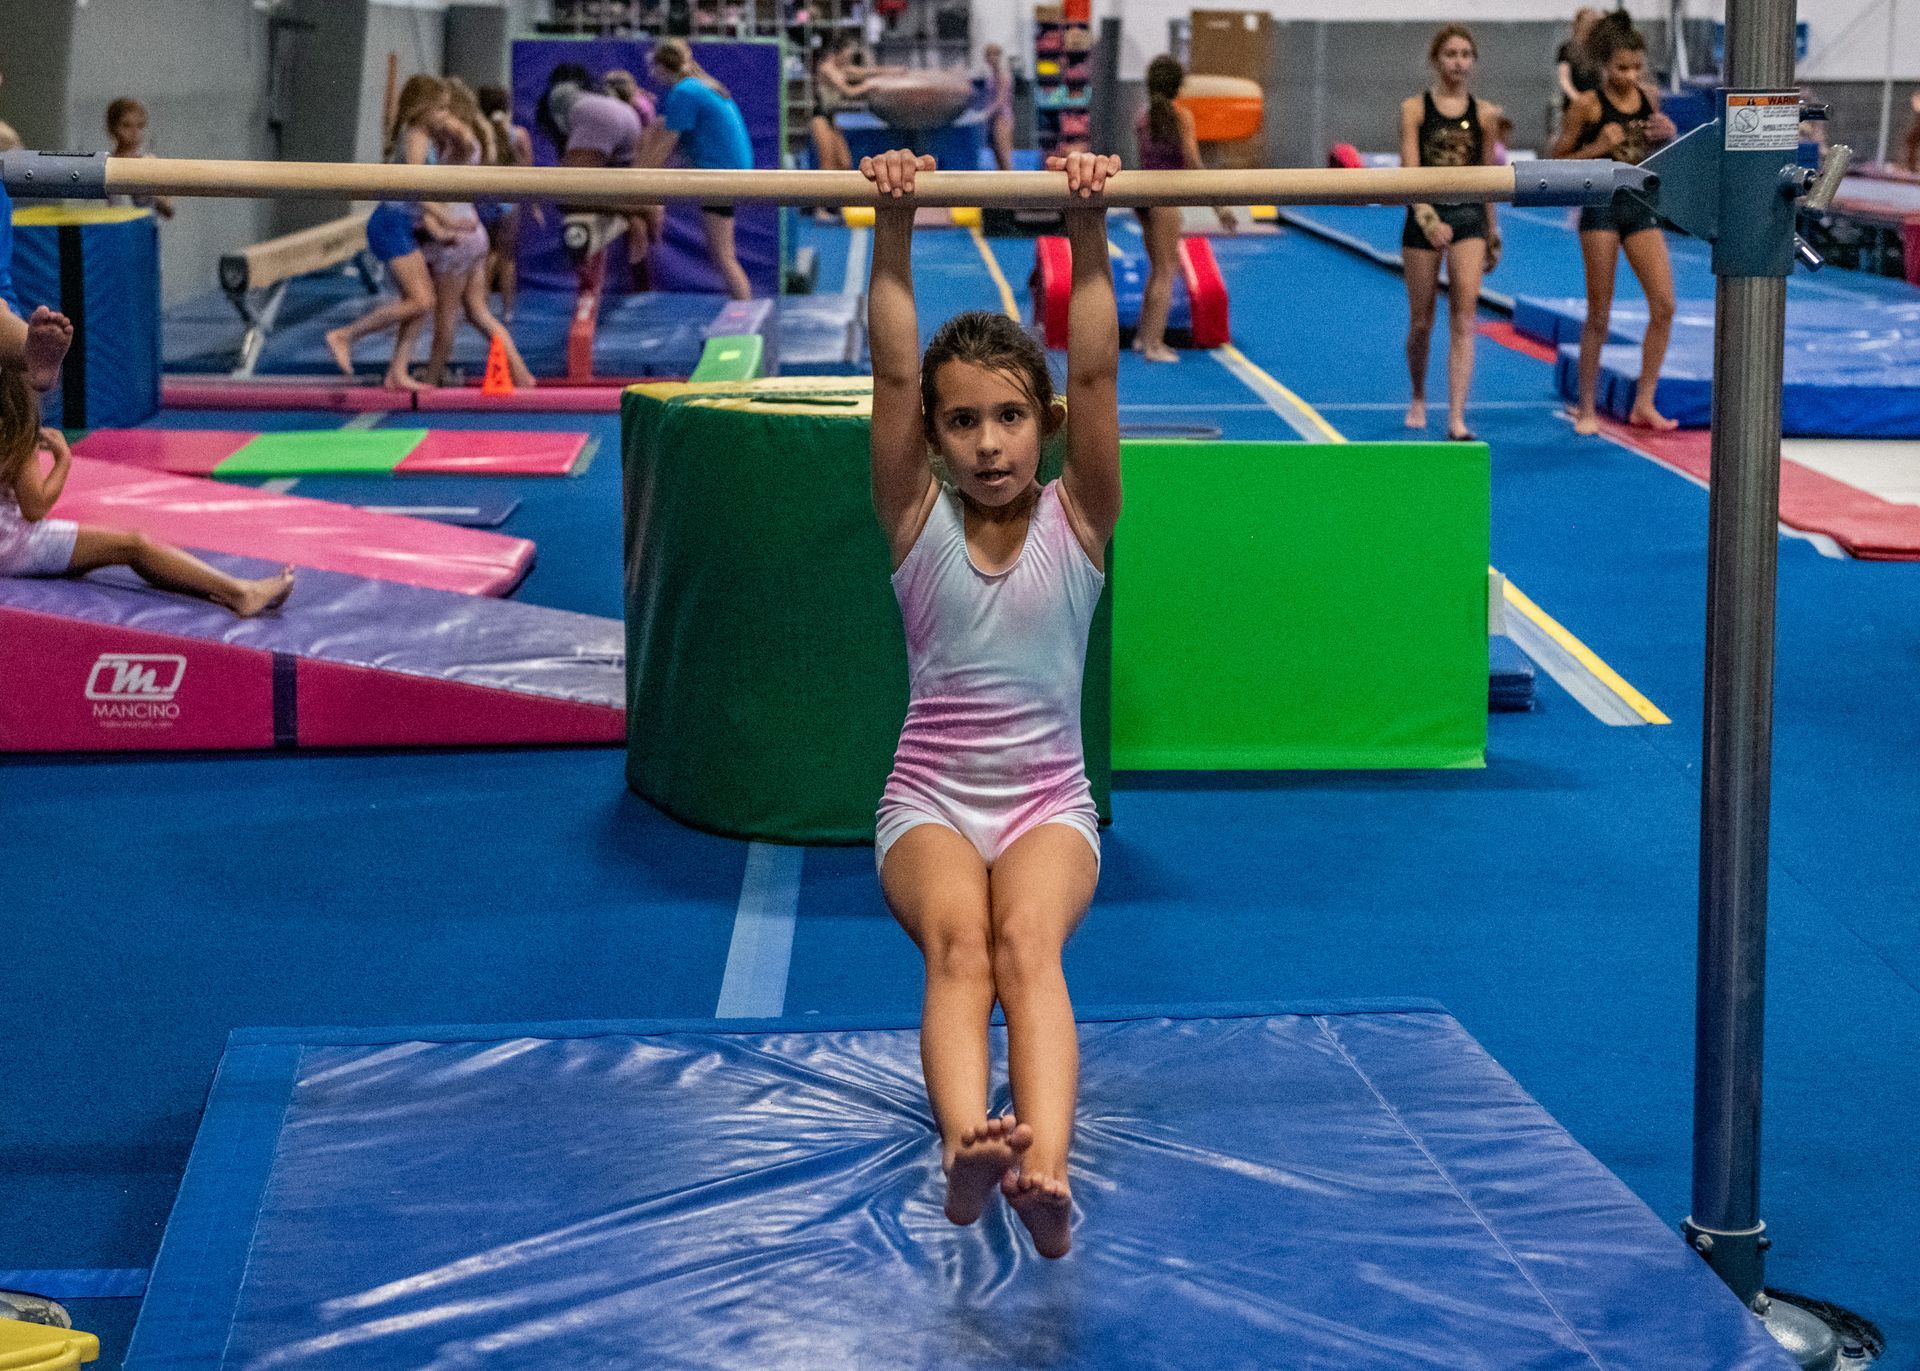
(698, 117)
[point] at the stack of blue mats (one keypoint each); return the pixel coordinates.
(1852, 365)
(1509, 676)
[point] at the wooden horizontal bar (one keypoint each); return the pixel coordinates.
(618, 187)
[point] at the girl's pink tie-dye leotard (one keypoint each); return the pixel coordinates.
(991, 745)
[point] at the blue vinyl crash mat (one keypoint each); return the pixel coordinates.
(1319, 1186)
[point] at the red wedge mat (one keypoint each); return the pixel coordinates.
(1206, 294)
(184, 393)
(218, 517)
(1505, 334)
(1865, 525)
(504, 452)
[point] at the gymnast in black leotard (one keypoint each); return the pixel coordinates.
(1445, 126)
(1620, 119)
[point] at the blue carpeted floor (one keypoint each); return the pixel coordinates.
(1548, 901)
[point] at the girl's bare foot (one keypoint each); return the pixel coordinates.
(1136, 344)
(402, 380)
(257, 597)
(987, 1153)
(1416, 414)
(1045, 1206)
(1586, 423)
(1644, 415)
(1160, 353)
(48, 337)
(342, 350)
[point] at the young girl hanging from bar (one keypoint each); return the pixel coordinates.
(1445, 126)
(34, 463)
(987, 841)
(396, 233)
(1620, 119)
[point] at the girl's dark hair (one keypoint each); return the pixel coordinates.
(991, 340)
(1164, 78)
(121, 108)
(19, 424)
(494, 101)
(566, 74)
(1613, 33)
(1446, 34)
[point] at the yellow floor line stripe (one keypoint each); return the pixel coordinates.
(1307, 411)
(1007, 300)
(1586, 656)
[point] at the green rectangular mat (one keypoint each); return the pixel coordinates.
(321, 452)
(1301, 605)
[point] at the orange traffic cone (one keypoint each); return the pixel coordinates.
(499, 379)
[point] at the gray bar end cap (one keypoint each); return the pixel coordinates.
(1589, 181)
(54, 175)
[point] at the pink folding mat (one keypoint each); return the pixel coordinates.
(218, 517)
(179, 392)
(487, 452)
(183, 451)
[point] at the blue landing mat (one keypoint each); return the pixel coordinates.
(1310, 1186)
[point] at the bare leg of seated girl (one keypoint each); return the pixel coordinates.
(168, 568)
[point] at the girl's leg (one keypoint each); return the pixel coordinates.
(447, 291)
(168, 568)
(1039, 891)
(1466, 264)
(1647, 255)
(719, 231)
(936, 886)
(1163, 245)
(1422, 270)
(475, 300)
(507, 262)
(415, 302)
(1599, 249)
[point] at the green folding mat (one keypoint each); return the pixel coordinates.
(766, 664)
(1301, 605)
(323, 452)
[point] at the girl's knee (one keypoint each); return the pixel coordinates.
(1660, 309)
(1026, 952)
(959, 953)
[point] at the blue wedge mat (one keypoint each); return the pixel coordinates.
(1353, 1186)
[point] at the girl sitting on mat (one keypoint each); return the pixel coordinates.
(1164, 133)
(1445, 126)
(458, 265)
(698, 118)
(31, 544)
(987, 841)
(395, 234)
(1620, 119)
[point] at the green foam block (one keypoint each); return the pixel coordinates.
(323, 452)
(1301, 605)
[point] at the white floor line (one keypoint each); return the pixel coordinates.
(855, 280)
(1402, 404)
(1574, 678)
(280, 485)
(755, 983)
(363, 422)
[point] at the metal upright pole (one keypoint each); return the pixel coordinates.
(1749, 327)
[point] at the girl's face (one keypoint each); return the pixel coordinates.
(1626, 68)
(130, 130)
(988, 431)
(1454, 61)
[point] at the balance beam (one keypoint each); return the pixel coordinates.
(273, 264)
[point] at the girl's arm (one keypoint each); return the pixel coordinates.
(1424, 215)
(1490, 156)
(1092, 476)
(1659, 126)
(415, 142)
(38, 491)
(902, 482)
(1190, 158)
(1564, 71)
(657, 143)
(1582, 115)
